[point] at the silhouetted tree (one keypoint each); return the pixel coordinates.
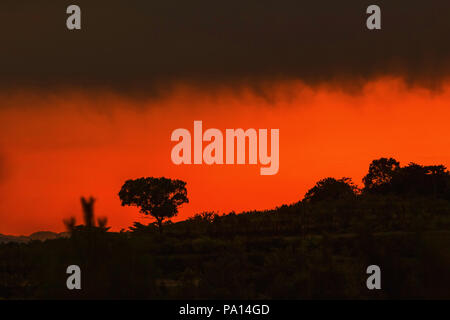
(331, 189)
(416, 179)
(385, 176)
(87, 206)
(158, 197)
(381, 172)
(88, 211)
(205, 216)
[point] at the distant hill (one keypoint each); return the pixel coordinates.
(40, 236)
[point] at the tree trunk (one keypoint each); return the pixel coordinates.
(159, 225)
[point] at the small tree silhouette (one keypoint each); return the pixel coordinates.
(385, 176)
(158, 197)
(381, 172)
(416, 179)
(88, 216)
(331, 189)
(88, 211)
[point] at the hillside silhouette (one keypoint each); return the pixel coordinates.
(316, 248)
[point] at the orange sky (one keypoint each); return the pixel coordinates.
(58, 147)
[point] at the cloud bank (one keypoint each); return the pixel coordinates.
(133, 45)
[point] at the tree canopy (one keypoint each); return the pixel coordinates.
(157, 197)
(386, 176)
(381, 172)
(331, 189)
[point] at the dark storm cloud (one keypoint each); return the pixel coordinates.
(133, 44)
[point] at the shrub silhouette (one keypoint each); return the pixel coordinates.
(331, 189)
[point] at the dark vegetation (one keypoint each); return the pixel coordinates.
(317, 248)
(158, 197)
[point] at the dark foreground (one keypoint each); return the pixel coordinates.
(299, 251)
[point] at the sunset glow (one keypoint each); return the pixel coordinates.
(56, 147)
